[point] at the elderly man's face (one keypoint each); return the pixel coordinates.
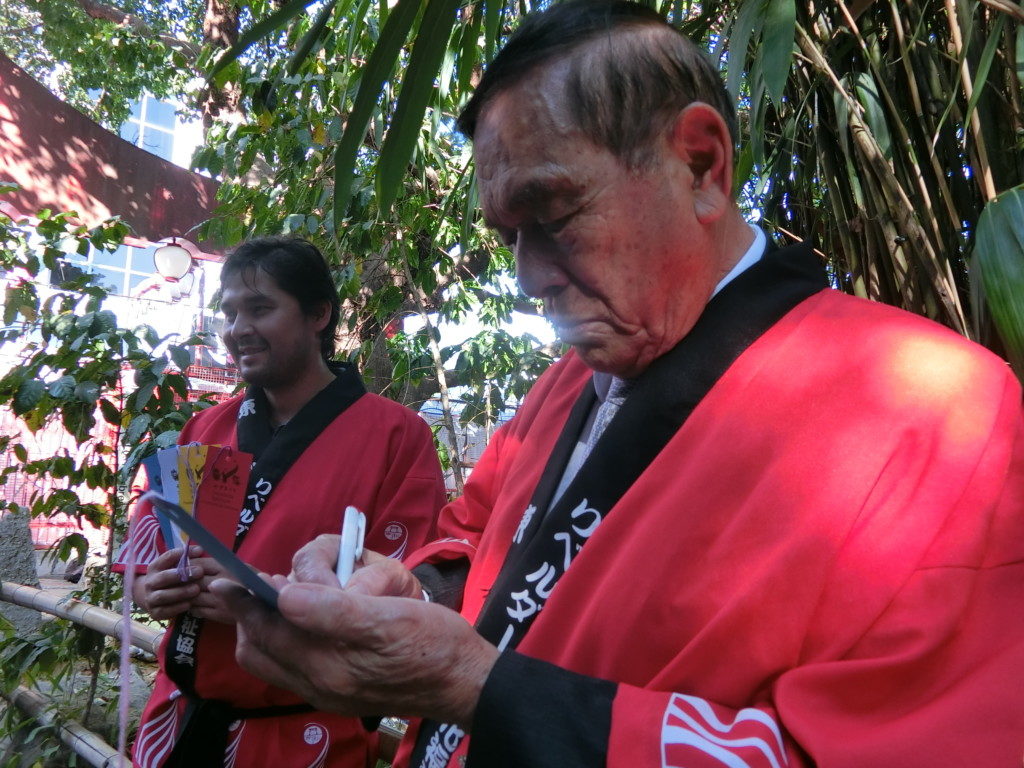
(618, 256)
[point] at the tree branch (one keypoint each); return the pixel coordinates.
(1006, 6)
(98, 10)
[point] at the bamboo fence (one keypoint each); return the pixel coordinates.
(84, 743)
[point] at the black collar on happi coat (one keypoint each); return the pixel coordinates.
(274, 452)
(659, 402)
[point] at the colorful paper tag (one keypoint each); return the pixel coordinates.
(222, 491)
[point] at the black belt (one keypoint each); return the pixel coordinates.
(204, 737)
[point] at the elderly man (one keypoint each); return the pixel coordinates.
(747, 521)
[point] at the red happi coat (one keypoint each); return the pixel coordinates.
(377, 456)
(823, 567)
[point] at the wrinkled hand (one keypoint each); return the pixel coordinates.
(354, 653)
(375, 574)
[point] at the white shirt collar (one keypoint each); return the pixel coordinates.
(747, 260)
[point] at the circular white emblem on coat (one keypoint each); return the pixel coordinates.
(394, 531)
(314, 734)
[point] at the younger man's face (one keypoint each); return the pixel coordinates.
(272, 341)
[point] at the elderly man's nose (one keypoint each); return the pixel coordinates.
(537, 267)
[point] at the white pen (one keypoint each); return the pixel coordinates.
(350, 548)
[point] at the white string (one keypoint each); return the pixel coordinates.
(124, 701)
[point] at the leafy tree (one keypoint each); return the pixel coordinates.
(76, 366)
(98, 57)
(888, 133)
(877, 129)
(319, 103)
(275, 151)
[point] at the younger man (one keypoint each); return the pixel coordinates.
(320, 443)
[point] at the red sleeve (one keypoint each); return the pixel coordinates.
(653, 728)
(522, 719)
(410, 492)
(461, 522)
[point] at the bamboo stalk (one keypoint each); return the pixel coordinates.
(1006, 6)
(843, 211)
(914, 170)
(91, 616)
(900, 208)
(86, 744)
(74, 735)
(983, 170)
(938, 177)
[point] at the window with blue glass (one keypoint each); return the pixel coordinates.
(151, 126)
(121, 271)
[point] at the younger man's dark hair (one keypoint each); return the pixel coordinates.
(299, 269)
(623, 89)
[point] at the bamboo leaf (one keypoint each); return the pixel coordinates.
(748, 23)
(757, 119)
(842, 108)
(444, 77)
(417, 87)
(777, 45)
(259, 30)
(311, 37)
(378, 66)
(999, 258)
(874, 112)
(492, 26)
(469, 209)
(743, 167)
(468, 51)
(1019, 57)
(985, 64)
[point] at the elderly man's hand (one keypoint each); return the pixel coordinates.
(374, 575)
(355, 653)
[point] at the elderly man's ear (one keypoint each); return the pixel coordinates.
(701, 139)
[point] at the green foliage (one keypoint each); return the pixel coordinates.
(78, 367)
(881, 141)
(508, 366)
(55, 659)
(320, 151)
(999, 260)
(58, 42)
(72, 367)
